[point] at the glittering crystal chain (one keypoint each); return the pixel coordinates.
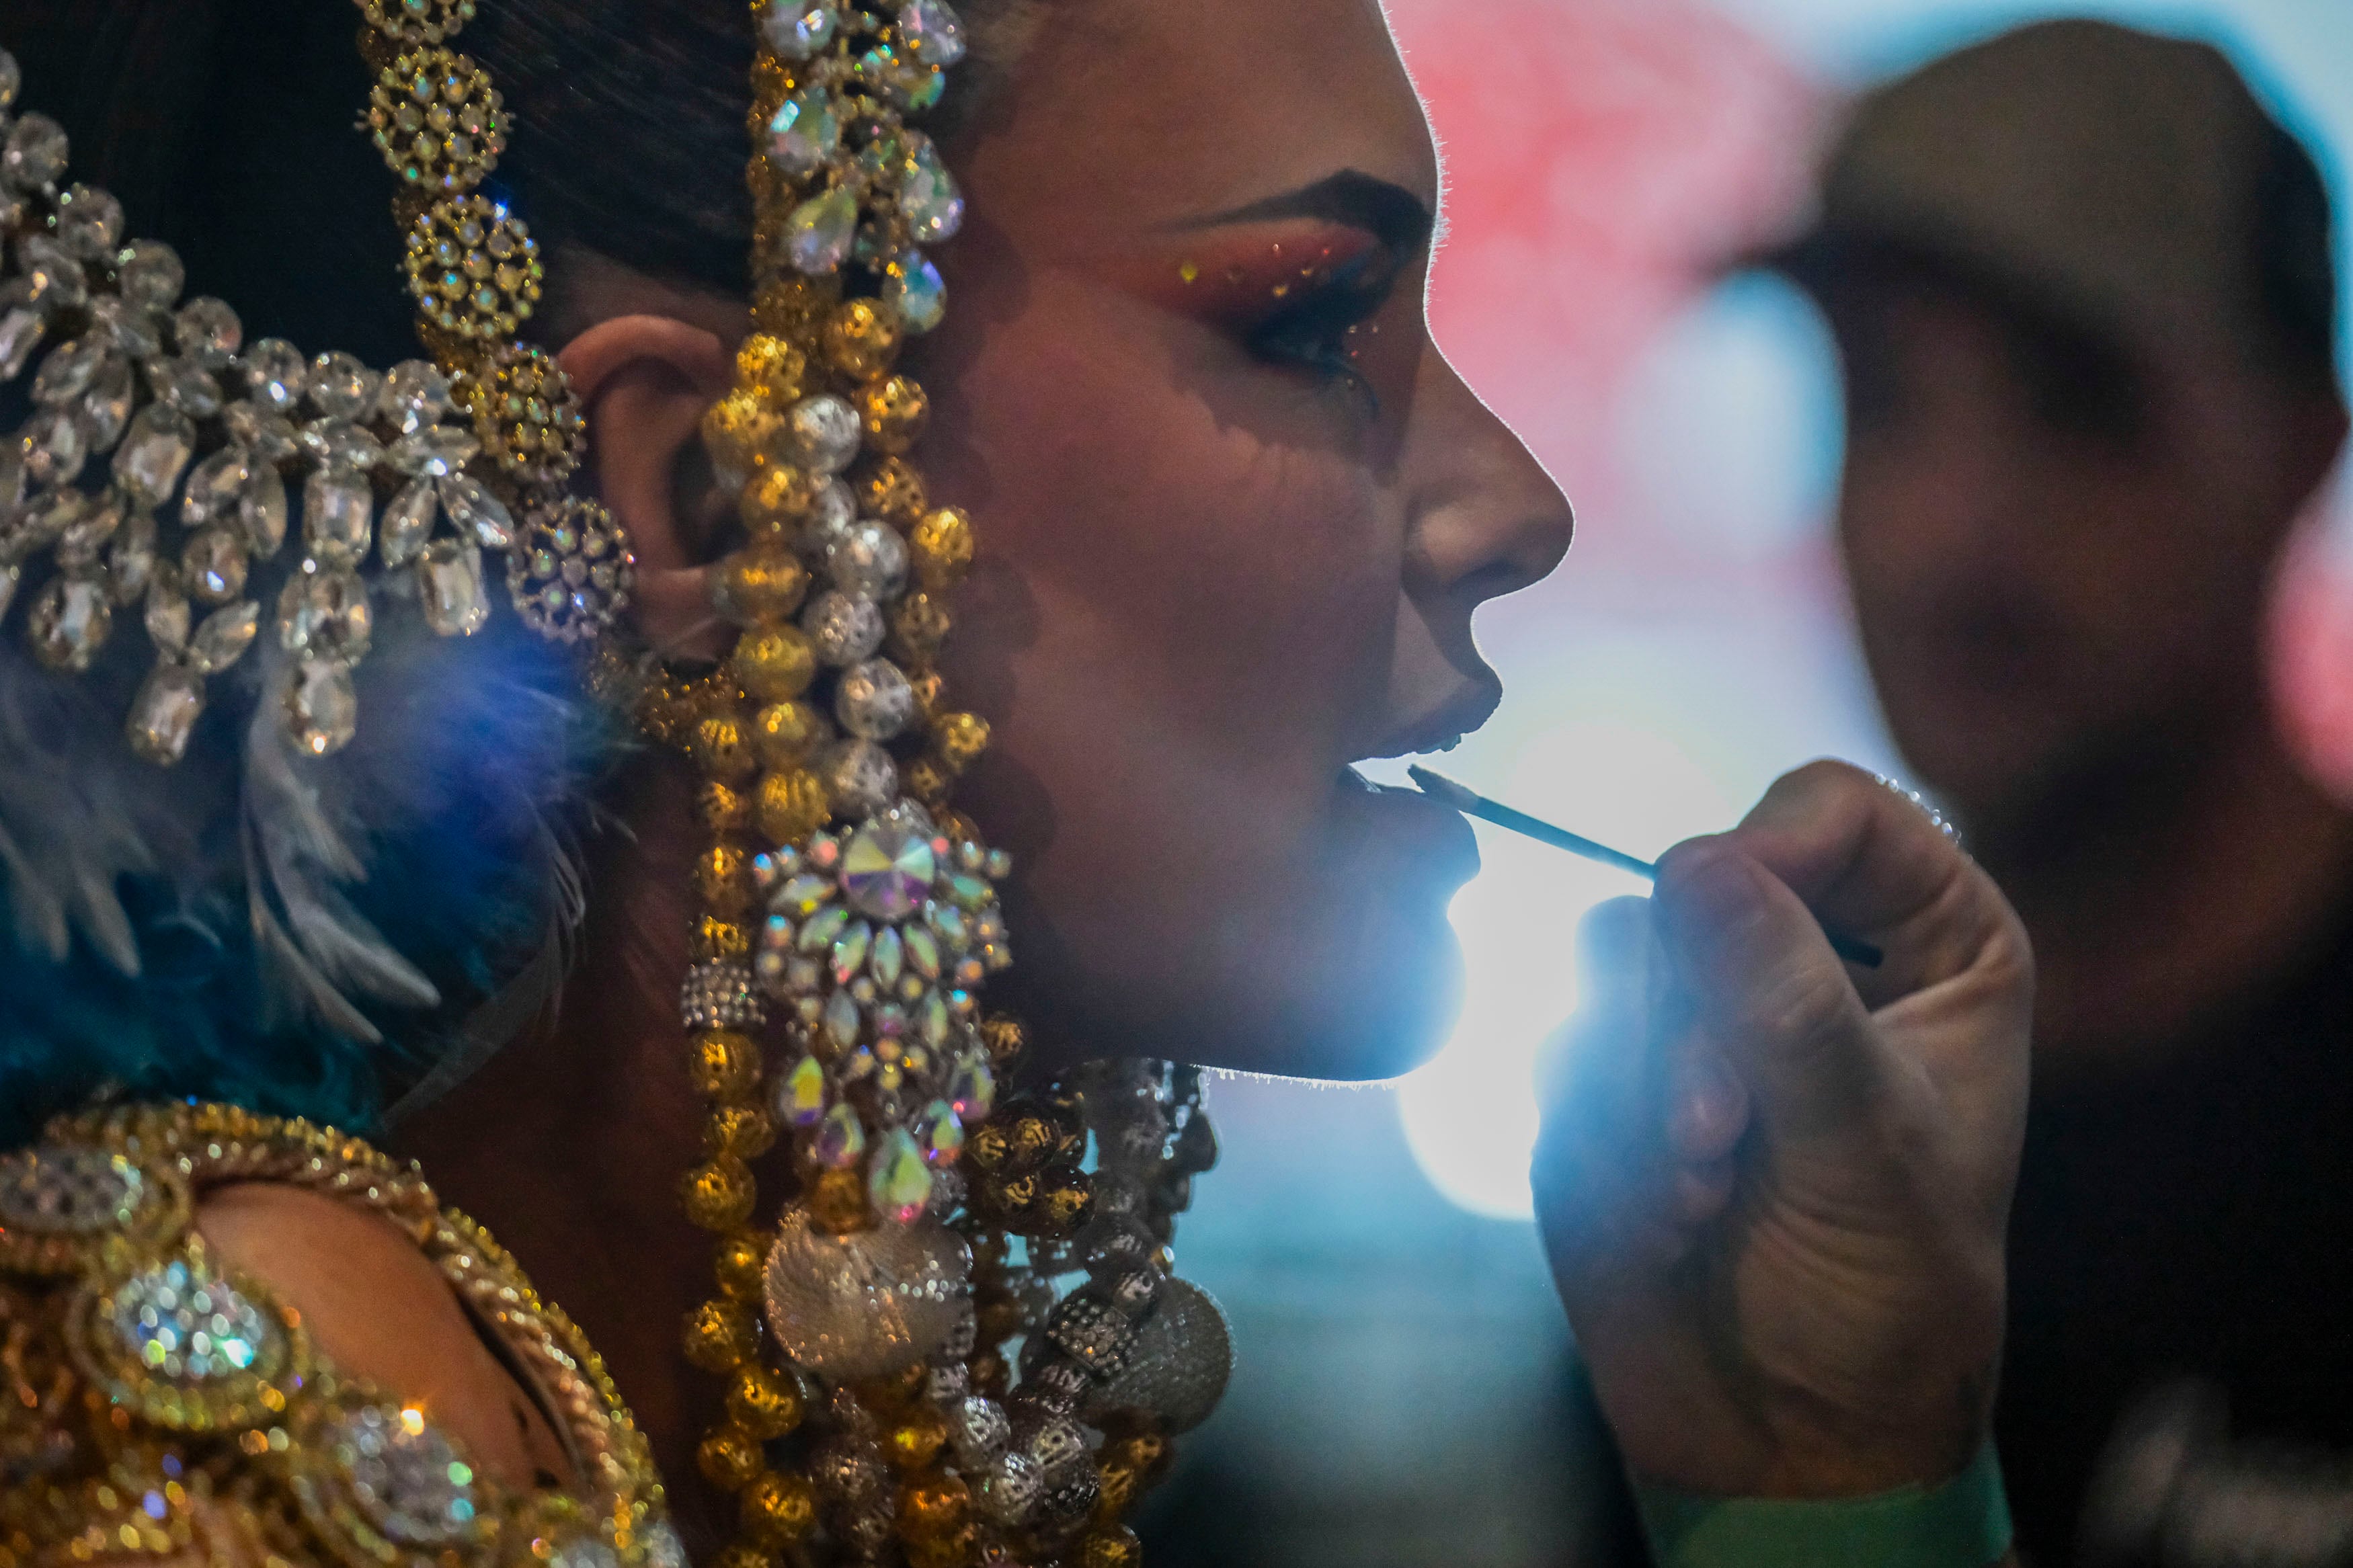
(874, 1419)
(206, 438)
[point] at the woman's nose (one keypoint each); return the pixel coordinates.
(1484, 519)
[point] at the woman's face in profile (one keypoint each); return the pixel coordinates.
(1236, 514)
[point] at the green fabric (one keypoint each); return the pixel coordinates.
(1964, 1523)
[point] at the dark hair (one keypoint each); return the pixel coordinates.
(2081, 379)
(226, 127)
(2296, 265)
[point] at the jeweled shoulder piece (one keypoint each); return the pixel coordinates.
(223, 1428)
(220, 490)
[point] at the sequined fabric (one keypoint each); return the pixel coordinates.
(152, 1401)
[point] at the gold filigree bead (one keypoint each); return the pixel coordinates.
(771, 82)
(723, 807)
(897, 1391)
(738, 431)
(437, 120)
(861, 339)
(916, 1440)
(777, 1508)
(928, 780)
(988, 1148)
(474, 270)
(744, 1132)
(1004, 1040)
(716, 939)
(526, 414)
(417, 21)
(990, 1375)
(786, 734)
(721, 748)
(1035, 1141)
(941, 548)
(764, 583)
(950, 1551)
(765, 1402)
(919, 625)
(739, 1261)
(776, 498)
(1064, 1204)
(721, 1336)
(669, 706)
(723, 878)
(1120, 1487)
(1140, 1447)
(960, 738)
(729, 1459)
(1112, 1546)
(932, 1505)
(792, 804)
(837, 1202)
(772, 370)
(718, 1194)
(894, 412)
(775, 664)
(724, 1064)
(790, 306)
(929, 689)
(891, 489)
(1014, 1199)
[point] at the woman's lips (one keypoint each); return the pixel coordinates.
(1436, 838)
(1443, 727)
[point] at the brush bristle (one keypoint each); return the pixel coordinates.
(1439, 787)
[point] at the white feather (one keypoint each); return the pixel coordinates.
(295, 857)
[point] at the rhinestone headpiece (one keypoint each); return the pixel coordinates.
(158, 470)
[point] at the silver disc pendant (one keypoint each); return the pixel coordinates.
(1177, 1370)
(867, 1304)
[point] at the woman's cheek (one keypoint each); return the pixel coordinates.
(1131, 466)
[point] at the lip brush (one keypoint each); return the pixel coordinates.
(1471, 803)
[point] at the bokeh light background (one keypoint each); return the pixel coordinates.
(1403, 1395)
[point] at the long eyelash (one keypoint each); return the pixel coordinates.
(1314, 332)
(1338, 366)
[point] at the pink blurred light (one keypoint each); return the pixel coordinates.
(1603, 156)
(2312, 647)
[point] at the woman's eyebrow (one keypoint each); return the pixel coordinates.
(1389, 213)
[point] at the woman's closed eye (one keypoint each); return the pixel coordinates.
(1317, 323)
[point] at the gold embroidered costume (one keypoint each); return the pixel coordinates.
(153, 1402)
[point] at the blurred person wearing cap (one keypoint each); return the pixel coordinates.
(2083, 291)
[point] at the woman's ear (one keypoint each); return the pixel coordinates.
(645, 382)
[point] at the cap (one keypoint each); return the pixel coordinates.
(2123, 180)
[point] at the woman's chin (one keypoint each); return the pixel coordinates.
(1338, 962)
(1372, 994)
(1367, 993)
(1385, 1020)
